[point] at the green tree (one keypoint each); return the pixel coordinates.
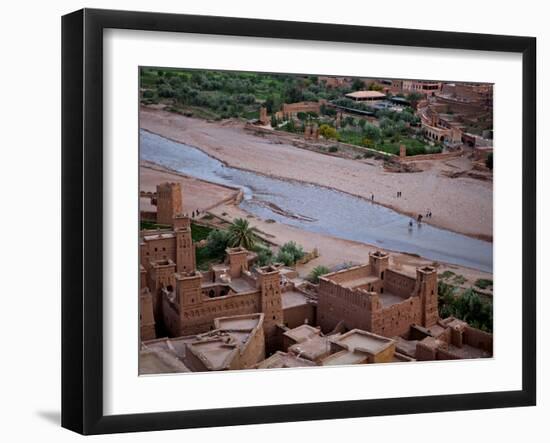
(216, 242)
(290, 253)
(357, 84)
(294, 249)
(241, 234)
(317, 272)
(293, 94)
(271, 104)
(413, 98)
(375, 87)
(290, 126)
(265, 255)
(285, 257)
(372, 132)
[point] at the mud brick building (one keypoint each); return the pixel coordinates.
(378, 299)
(235, 343)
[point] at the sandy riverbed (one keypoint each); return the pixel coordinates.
(336, 251)
(459, 204)
(333, 251)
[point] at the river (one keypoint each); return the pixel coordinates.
(319, 209)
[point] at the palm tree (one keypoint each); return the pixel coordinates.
(241, 234)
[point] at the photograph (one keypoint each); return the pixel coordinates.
(291, 220)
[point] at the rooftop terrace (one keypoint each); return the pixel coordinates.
(284, 360)
(357, 339)
(293, 298)
(345, 358)
(302, 333)
(245, 322)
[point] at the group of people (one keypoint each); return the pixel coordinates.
(419, 218)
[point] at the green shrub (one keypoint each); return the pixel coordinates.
(286, 258)
(290, 253)
(328, 132)
(265, 255)
(483, 283)
(317, 272)
(467, 306)
(217, 242)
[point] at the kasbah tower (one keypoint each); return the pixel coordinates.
(169, 202)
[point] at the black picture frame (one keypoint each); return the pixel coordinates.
(82, 218)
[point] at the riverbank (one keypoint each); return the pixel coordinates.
(337, 251)
(462, 204)
(334, 251)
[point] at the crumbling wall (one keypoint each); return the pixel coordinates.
(254, 352)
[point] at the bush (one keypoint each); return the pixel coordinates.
(166, 91)
(483, 283)
(328, 132)
(217, 242)
(286, 258)
(368, 143)
(317, 272)
(265, 255)
(468, 306)
(290, 253)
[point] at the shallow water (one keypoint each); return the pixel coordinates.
(322, 210)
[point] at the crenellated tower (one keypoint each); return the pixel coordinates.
(185, 250)
(169, 202)
(269, 283)
(426, 289)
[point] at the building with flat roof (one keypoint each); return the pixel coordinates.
(366, 96)
(159, 361)
(425, 87)
(378, 299)
(284, 360)
(185, 301)
(237, 342)
(377, 349)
